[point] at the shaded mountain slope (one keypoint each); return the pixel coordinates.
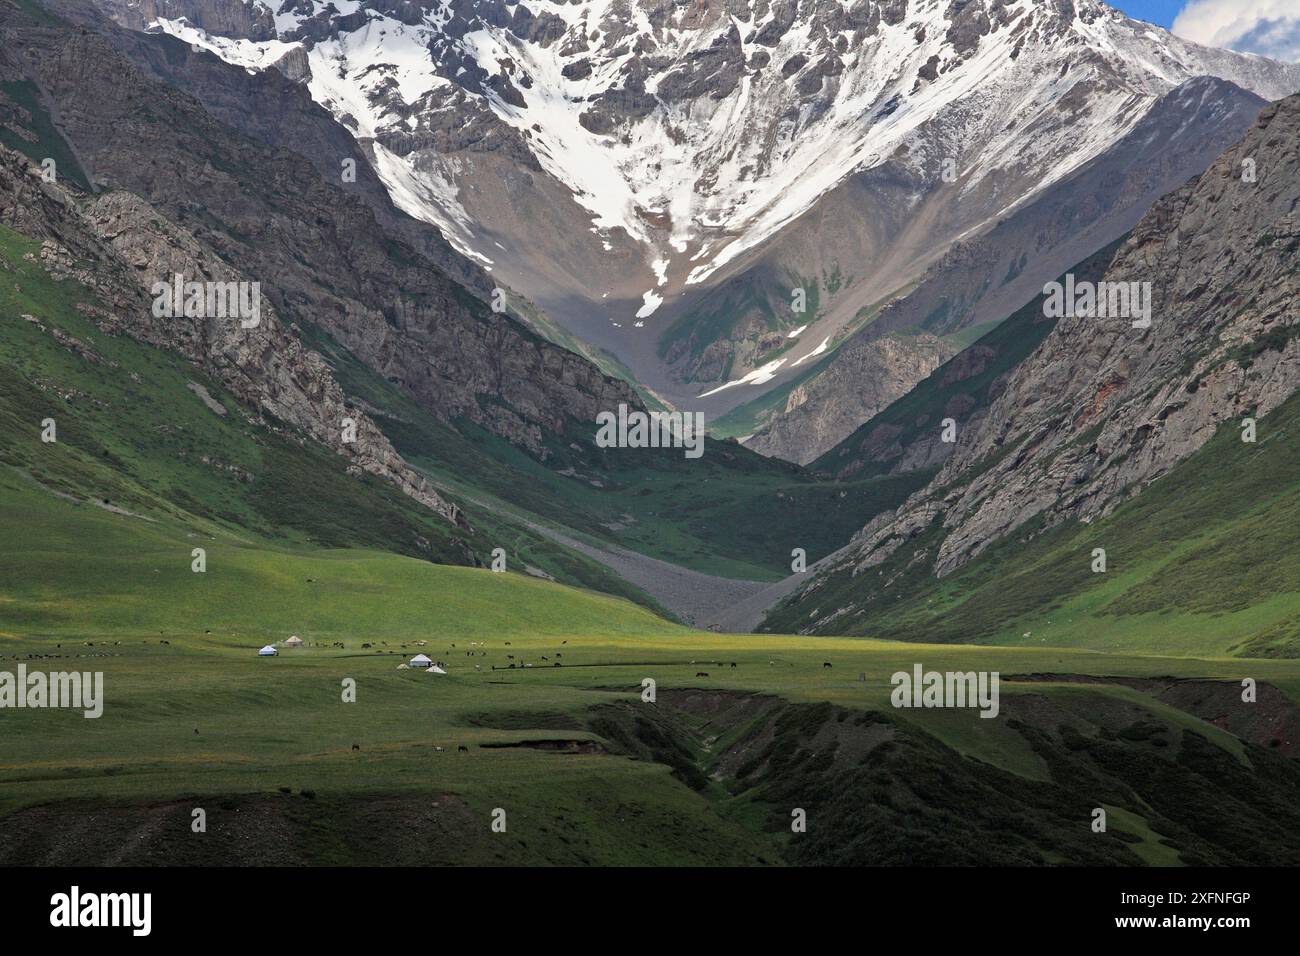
(1102, 412)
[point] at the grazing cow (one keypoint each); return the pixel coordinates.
(196, 730)
(507, 643)
(826, 663)
(733, 663)
(701, 673)
(356, 746)
(462, 749)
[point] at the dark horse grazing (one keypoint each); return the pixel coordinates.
(462, 749)
(701, 673)
(356, 746)
(826, 663)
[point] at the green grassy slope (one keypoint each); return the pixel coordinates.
(20, 107)
(133, 433)
(1203, 561)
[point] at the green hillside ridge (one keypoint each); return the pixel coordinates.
(1202, 561)
(133, 433)
(49, 143)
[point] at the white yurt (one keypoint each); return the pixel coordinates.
(435, 669)
(421, 660)
(294, 641)
(267, 651)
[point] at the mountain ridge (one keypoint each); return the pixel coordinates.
(511, 128)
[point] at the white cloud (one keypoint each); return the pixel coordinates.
(1268, 27)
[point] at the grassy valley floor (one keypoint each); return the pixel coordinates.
(586, 772)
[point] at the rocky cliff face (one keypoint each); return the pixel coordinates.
(865, 377)
(1101, 409)
(251, 21)
(320, 254)
(116, 244)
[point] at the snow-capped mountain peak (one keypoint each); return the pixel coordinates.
(669, 140)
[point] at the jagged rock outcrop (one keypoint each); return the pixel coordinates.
(239, 20)
(117, 245)
(864, 378)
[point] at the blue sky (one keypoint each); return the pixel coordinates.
(1159, 12)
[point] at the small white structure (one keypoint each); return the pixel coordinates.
(421, 660)
(294, 641)
(435, 669)
(403, 667)
(267, 651)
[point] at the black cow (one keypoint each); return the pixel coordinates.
(701, 673)
(462, 749)
(826, 664)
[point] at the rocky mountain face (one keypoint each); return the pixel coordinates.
(321, 254)
(1101, 409)
(865, 377)
(660, 176)
(906, 436)
(980, 281)
(113, 242)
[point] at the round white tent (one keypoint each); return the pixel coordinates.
(421, 660)
(267, 651)
(435, 669)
